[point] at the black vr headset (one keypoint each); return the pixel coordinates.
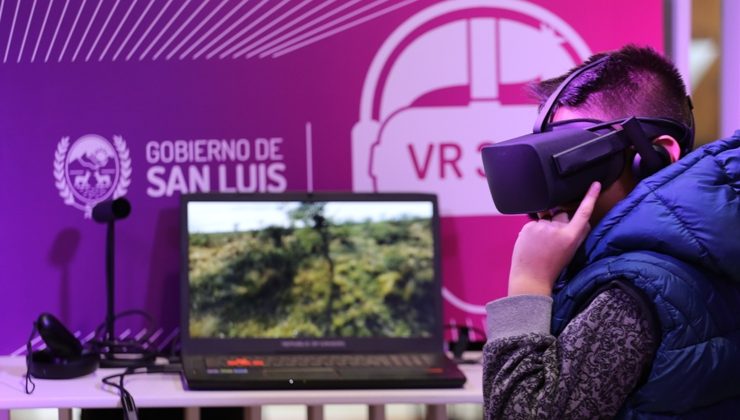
(557, 163)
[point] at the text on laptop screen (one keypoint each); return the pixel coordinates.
(310, 269)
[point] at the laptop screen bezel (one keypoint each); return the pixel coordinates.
(192, 345)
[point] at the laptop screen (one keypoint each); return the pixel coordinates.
(318, 270)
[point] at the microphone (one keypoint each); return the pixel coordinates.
(108, 212)
(111, 210)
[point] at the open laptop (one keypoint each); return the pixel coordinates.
(312, 290)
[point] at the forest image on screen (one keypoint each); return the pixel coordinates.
(311, 269)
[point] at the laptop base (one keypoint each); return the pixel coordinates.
(444, 373)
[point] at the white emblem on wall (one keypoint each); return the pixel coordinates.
(447, 81)
(90, 170)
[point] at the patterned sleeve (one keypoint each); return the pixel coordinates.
(585, 372)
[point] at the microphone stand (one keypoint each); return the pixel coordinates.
(115, 353)
(110, 335)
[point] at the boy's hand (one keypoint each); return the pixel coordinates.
(545, 247)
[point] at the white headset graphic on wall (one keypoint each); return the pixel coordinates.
(446, 81)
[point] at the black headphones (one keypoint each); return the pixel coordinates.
(64, 356)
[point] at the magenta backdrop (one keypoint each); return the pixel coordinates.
(103, 99)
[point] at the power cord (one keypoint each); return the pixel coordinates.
(130, 412)
(30, 384)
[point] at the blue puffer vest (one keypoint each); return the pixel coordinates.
(675, 243)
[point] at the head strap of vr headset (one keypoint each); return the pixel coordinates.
(614, 137)
(545, 115)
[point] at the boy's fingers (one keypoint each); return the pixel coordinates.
(586, 208)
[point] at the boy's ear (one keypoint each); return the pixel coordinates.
(670, 145)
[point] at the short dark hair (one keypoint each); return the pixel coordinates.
(633, 81)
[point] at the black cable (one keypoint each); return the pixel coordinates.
(108, 349)
(29, 350)
(130, 412)
(147, 317)
(127, 400)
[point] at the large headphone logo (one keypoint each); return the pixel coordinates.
(447, 82)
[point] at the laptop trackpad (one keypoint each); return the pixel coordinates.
(299, 373)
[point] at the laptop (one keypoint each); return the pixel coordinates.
(312, 291)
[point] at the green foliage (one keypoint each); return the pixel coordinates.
(279, 282)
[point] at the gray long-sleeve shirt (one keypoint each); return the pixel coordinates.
(585, 372)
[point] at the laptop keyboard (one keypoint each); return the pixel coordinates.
(323, 360)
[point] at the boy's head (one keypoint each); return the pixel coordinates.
(632, 81)
(617, 118)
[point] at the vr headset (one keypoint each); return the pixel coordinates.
(556, 164)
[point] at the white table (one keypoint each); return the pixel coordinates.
(167, 390)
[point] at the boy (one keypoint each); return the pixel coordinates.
(638, 316)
